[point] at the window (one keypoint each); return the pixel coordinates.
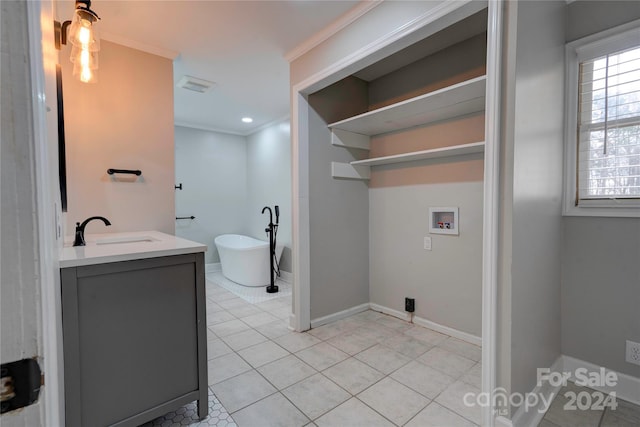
(602, 173)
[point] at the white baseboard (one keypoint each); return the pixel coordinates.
(464, 336)
(531, 417)
(212, 267)
(391, 312)
(627, 388)
(400, 315)
(339, 315)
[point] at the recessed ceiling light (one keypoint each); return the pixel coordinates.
(247, 120)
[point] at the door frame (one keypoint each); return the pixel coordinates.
(301, 317)
(42, 58)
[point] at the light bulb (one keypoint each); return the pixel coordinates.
(85, 75)
(84, 58)
(85, 39)
(83, 31)
(84, 34)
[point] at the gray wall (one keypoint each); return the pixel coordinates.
(600, 269)
(601, 290)
(212, 168)
(269, 184)
(590, 17)
(446, 282)
(228, 179)
(462, 61)
(338, 209)
(450, 275)
(21, 333)
(397, 200)
(532, 167)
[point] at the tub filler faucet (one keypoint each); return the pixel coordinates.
(272, 231)
(79, 241)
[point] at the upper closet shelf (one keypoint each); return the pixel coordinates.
(453, 101)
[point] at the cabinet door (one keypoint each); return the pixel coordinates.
(136, 332)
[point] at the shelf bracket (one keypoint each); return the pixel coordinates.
(347, 171)
(346, 139)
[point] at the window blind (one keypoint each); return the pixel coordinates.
(609, 127)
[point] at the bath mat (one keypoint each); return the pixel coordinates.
(253, 295)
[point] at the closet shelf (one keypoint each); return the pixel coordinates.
(435, 153)
(452, 101)
(360, 169)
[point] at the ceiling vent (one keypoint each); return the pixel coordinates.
(195, 84)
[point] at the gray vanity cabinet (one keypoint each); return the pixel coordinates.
(134, 339)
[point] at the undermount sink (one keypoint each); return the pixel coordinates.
(124, 246)
(129, 239)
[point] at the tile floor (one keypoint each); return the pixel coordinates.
(367, 370)
(253, 295)
(188, 416)
(624, 415)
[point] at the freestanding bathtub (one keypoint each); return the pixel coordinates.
(245, 260)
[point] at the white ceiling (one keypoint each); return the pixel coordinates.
(239, 45)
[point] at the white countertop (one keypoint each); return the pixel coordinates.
(114, 247)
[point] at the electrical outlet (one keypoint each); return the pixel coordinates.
(633, 352)
(409, 305)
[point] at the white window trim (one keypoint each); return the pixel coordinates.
(575, 52)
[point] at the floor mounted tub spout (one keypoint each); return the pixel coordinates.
(271, 230)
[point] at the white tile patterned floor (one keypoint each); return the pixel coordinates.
(252, 294)
(188, 416)
(369, 369)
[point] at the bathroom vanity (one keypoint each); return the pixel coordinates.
(134, 328)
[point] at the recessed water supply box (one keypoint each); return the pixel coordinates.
(443, 221)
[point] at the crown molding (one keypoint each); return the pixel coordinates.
(184, 124)
(331, 29)
(154, 50)
(205, 128)
(269, 124)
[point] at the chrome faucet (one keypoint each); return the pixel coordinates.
(79, 241)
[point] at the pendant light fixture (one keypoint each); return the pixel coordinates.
(81, 31)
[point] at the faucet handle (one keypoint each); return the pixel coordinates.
(79, 237)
